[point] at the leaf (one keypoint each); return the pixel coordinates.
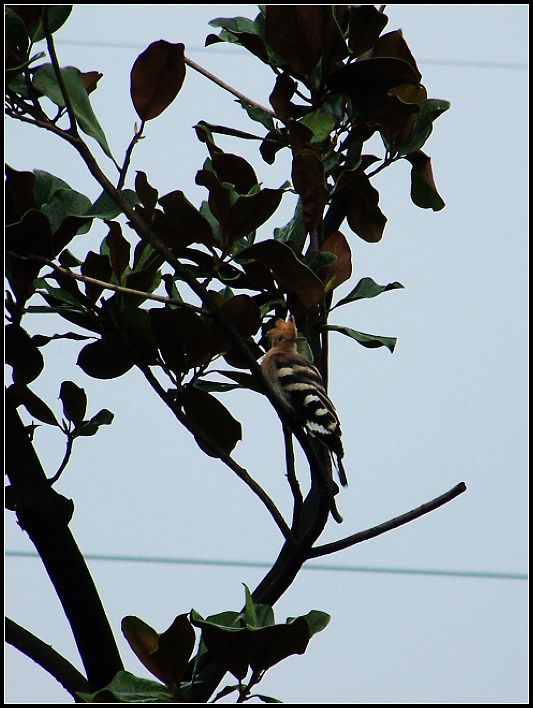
(146, 193)
(359, 201)
(310, 183)
(74, 401)
(91, 426)
(103, 360)
(320, 124)
(364, 27)
(119, 249)
(294, 33)
(22, 354)
(367, 288)
(105, 207)
(372, 341)
(187, 224)
(340, 269)
(370, 75)
(156, 78)
(249, 212)
(181, 336)
(127, 688)
(36, 407)
(423, 189)
(288, 270)
(430, 110)
(45, 80)
(164, 655)
(57, 16)
(235, 170)
(214, 422)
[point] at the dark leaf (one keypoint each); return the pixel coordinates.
(156, 78)
(235, 170)
(127, 688)
(240, 30)
(280, 98)
(106, 208)
(103, 360)
(294, 33)
(40, 340)
(19, 194)
(146, 193)
(361, 201)
(430, 110)
(22, 354)
(365, 25)
(21, 395)
(217, 430)
(249, 212)
(74, 401)
(57, 16)
(380, 74)
(393, 44)
(287, 269)
(119, 249)
(91, 426)
(186, 222)
(95, 266)
(423, 189)
(309, 181)
(372, 341)
(181, 336)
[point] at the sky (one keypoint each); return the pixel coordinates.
(449, 405)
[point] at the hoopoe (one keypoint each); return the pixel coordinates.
(300, 386)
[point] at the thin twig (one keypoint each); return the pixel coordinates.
(66, 458)
(335, 546)
(227, 87)
(111, 286)
(73, 129)
(127, 156)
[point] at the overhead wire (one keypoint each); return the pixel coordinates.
(232, 563)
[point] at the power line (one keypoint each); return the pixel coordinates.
(463, 63)
(221, 563)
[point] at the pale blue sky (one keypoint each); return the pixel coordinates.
(449, 405)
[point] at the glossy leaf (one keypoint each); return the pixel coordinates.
(320, 124)
(127, 688)
(294, 33)
(372, 341)
(156, 78)
(91, 426)
(46, 81)
(57, 16)
(106, 208)
(249, 212)
(365, 24)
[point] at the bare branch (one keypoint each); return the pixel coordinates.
(361, 536)
(47, 658)
(226, 87)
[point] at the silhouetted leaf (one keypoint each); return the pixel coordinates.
(57, 16)
(103, 360)
(146, 193)
(235, 170)
(187, 224)
(181, 336)
(91, 426)
(249, 212)
(287, 269)
(393, 44)
(119, 249)
(156, 78)
(372, 341)
(294, 33)
(423, 189)
(95, 266)
(430, 110)
(127, 688)
(215, 423)
(22, 354)
(379, 74)
(309, 181)
(74, 401)
(360, 201)
(19, 194)
(365, 26)
(20, 394)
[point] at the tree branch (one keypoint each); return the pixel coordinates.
(361, 536)
(45, 515)
(47, 658)
(226, 87)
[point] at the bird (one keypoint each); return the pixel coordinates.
(300, 386)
